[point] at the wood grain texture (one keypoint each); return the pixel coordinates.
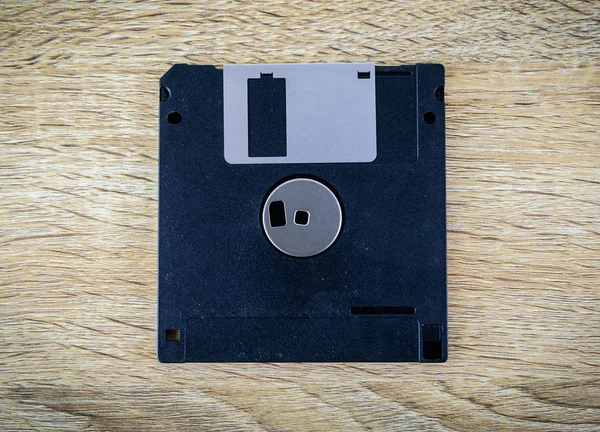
(78, 170)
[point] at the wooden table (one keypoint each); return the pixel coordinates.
(79, 146)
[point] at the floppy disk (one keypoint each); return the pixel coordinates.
(302, 213)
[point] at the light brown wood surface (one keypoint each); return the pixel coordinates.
(78, 224)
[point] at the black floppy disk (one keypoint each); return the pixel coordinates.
(302, 213)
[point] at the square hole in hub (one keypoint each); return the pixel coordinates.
(301, 217)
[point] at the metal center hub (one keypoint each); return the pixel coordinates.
(302, 217)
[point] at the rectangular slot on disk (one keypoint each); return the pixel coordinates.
(382, 310)
(267, 129)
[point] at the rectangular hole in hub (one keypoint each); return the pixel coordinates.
(382, 310)
(173, 335)
(364, 75)
(277, 214)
